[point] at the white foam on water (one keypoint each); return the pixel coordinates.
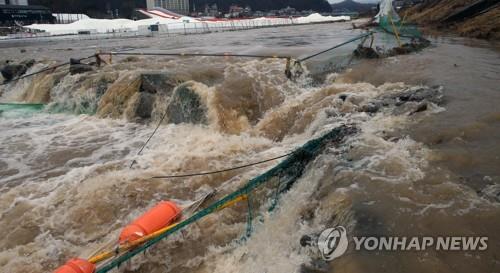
(73, 179)
(13, 92)
(277, 236)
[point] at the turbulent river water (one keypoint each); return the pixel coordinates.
(66, 187)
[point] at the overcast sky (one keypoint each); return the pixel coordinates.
(361, 1)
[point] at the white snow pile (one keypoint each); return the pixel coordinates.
(125, 25)
(99, 25)
(70, 16)
(318, 18)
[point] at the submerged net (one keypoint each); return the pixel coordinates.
(285, 173)
(399, 28)
(389, 21)
(21, 106)
(19, 109)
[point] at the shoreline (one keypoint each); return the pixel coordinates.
(463, 17)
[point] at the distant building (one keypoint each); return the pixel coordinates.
(14, 2)
(271, 13)
(287, 11)
(12, 15)
(236, 11)
(259, 14)
(177, 6)
(212, 11)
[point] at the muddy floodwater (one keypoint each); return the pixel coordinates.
(424, 161)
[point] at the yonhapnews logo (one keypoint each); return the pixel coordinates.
(333, 243)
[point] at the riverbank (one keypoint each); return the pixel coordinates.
(468, 18)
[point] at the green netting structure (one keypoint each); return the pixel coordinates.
(287, 172)
(21, 106)
(399, 28)
(20, 109)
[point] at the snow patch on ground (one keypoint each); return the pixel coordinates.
(126, 25)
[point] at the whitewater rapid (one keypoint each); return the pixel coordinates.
(71, 176)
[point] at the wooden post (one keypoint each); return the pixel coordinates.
(395, 30)
(98, 58)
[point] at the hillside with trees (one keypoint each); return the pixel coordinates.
(350, 5)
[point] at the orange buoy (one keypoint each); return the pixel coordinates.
(77, 266)
(160, 216)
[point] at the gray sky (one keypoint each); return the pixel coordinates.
(360, 1)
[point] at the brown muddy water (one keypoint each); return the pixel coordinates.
(66, 189)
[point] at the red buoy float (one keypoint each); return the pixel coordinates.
(77, 266)
(160, 216)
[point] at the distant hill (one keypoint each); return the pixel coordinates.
(352, 6)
